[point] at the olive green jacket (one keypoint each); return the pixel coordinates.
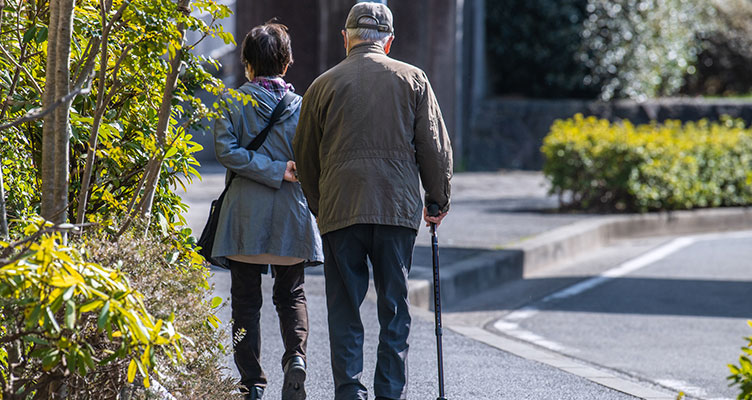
(370, 130)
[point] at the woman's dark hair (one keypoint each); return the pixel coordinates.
(267, 49)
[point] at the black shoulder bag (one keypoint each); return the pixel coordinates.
(206, 241)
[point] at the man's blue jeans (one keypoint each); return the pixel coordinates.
(390, 249)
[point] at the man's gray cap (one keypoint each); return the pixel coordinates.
(379, 17)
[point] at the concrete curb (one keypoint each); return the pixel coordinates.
(490, 269)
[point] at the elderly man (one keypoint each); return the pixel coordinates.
(369, 128)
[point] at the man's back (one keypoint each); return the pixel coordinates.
(372, 120)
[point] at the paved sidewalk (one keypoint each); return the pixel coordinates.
(490, 212)
(501, 227)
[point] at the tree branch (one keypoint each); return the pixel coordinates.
(89, 55)
(203, 36)
(165, 109)
(117, 16)
(3, 218)
(35, 114)
(22, 68)
(83, 193)
(108, 26)
(16, 336)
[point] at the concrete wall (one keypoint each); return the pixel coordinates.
(508, 134)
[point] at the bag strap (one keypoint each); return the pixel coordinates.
(261, 137)
(278, 110)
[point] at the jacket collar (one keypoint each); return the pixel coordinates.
(366, 47)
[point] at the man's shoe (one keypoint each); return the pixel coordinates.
(295, 376)
(254, 393)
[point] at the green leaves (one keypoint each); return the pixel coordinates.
(62, 295)
(741, 375)
(640, 48)
(621, 167)
(30, 34)
(79, 315)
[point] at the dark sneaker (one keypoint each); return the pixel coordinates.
(254, 393)
(295, 376)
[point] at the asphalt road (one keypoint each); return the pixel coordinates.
(671, 324)
(668, 312)
(473, 371)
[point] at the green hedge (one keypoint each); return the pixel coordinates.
(594, 164)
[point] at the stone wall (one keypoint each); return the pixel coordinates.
(508, 134)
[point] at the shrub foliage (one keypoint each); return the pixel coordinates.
(741, 375)
(619, 48)
(594, 164)
(642, 48)
(63, 316)
(80, 318)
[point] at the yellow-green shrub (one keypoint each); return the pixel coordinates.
(598, 165)
(73, 323)
(54, 302)
(741, 375)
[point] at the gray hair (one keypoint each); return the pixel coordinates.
(368, 35)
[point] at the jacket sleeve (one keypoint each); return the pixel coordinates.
(432, 148)
(306, 148)
(246, 163)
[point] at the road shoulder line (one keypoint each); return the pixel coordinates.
(567, 364)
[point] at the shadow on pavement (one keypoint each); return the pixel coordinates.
(628, 295)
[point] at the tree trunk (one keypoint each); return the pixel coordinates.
(3, 219)
(56, 129)
(155, 164)
(83, 194)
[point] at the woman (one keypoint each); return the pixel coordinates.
(265, 219)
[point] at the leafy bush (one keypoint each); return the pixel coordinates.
(669, 166)
(531, 48)
(123, 54)
(176, 282)
(642, 48)
(741, 375)
(75, 328)
(63, 315)
(114, 126)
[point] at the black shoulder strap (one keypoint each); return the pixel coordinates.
(261, 137)
(281, 106)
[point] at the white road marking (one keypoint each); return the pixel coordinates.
(510, 323)
(623, 269)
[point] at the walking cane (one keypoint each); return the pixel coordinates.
(433, 211)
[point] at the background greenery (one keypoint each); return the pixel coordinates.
(531, 47)
(124, 297)
(594, 164)
(619, 48)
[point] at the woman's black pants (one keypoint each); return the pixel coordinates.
(289, 299)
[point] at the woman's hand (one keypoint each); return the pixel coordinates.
(290, 174)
